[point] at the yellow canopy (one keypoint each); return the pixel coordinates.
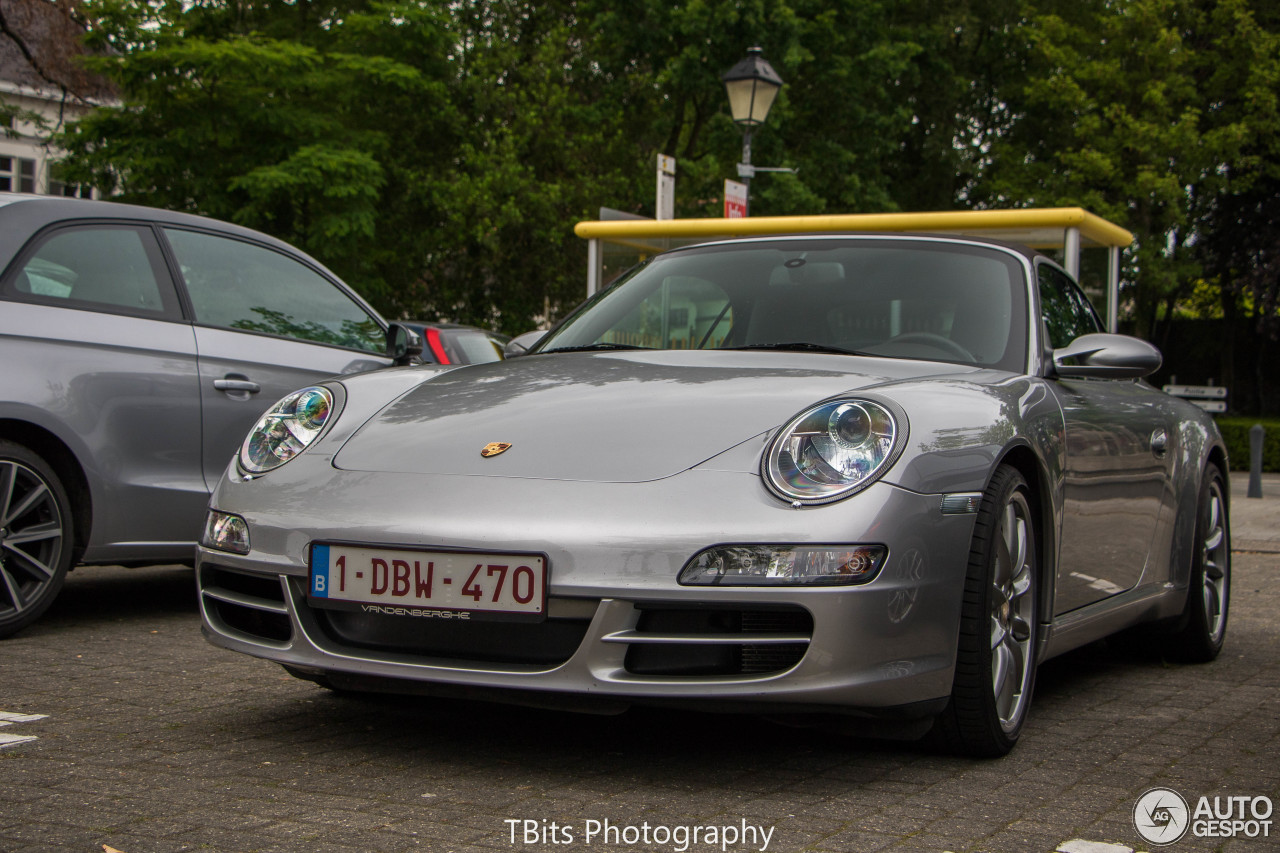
(1035, 227)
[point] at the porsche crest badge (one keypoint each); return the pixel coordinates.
(493, 448)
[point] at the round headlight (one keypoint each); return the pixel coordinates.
(831, 451)
(287, 429)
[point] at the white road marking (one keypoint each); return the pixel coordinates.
(1079, 845)
(7, 719)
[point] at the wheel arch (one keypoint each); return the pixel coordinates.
(1218, 456)
(1195, 638)
(62, 459)
(1182, 546)
(1024, 459)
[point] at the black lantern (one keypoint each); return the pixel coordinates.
(752, 85)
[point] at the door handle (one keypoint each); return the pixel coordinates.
(233, 382)
(1159, 442)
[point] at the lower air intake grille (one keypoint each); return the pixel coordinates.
(551, 642)
(246, 604)
(701, 641)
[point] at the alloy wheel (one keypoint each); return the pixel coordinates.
(1216, 558)
(31, 538)
(1012, 612)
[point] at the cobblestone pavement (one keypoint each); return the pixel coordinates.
(126, 731)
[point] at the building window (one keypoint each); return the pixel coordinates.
(70, 190)
(17, 174)
(58, 185)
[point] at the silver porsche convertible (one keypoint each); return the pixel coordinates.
(865, 481)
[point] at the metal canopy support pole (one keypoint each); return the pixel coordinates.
(1071, 252)
(1113, 288)
(595, 266)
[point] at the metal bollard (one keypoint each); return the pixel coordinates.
(1256, 434)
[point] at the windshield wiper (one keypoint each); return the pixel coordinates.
(600, 347)
(798, 346)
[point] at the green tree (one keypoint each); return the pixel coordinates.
(436, 154)
(537, 154)
(1239, 226)
(1135, 110)
(221, 119)
(965, 57)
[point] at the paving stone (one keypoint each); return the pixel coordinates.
(160, 742)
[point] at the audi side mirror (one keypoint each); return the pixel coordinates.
(403, 344)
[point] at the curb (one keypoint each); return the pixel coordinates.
(1257, 546)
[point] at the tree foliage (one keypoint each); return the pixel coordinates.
(1239, 226)
(1137, 110)
(437, 154)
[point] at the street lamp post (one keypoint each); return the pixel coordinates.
(752, 85)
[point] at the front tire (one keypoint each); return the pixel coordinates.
(995, 659)
(1203, 626)
(36, 537)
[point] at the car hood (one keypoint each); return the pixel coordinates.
(605, 417)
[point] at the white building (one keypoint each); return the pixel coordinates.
(42, 79)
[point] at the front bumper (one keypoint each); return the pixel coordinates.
(620, 629)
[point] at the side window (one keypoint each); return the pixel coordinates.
(114, 268)
(1066, 310)
(684, 313)
(238, 285)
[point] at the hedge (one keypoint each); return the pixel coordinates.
(1235, 432)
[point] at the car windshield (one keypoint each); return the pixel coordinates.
(934, 300)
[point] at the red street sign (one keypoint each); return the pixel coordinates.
(735, 200)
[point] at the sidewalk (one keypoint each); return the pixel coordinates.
(1255, 522)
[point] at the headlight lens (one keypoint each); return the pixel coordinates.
(784, 565)
(287, 429)
(831, 451)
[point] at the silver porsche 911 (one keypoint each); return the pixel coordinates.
(869, 479)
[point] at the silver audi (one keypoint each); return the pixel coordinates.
(864, 482)
(136, 347)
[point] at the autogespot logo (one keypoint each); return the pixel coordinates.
(1161, 816)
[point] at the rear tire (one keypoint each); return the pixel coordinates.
(1203, 626)
(995, 659)
(36, 536)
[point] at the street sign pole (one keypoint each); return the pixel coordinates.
(666, 203)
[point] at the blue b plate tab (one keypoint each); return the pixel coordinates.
(319, 571)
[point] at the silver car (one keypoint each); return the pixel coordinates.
(137, 347)
(874, 480)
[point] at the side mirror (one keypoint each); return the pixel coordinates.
(1106, 357)
(521, 344)
(403, 345)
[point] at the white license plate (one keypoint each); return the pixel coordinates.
(409, 582)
